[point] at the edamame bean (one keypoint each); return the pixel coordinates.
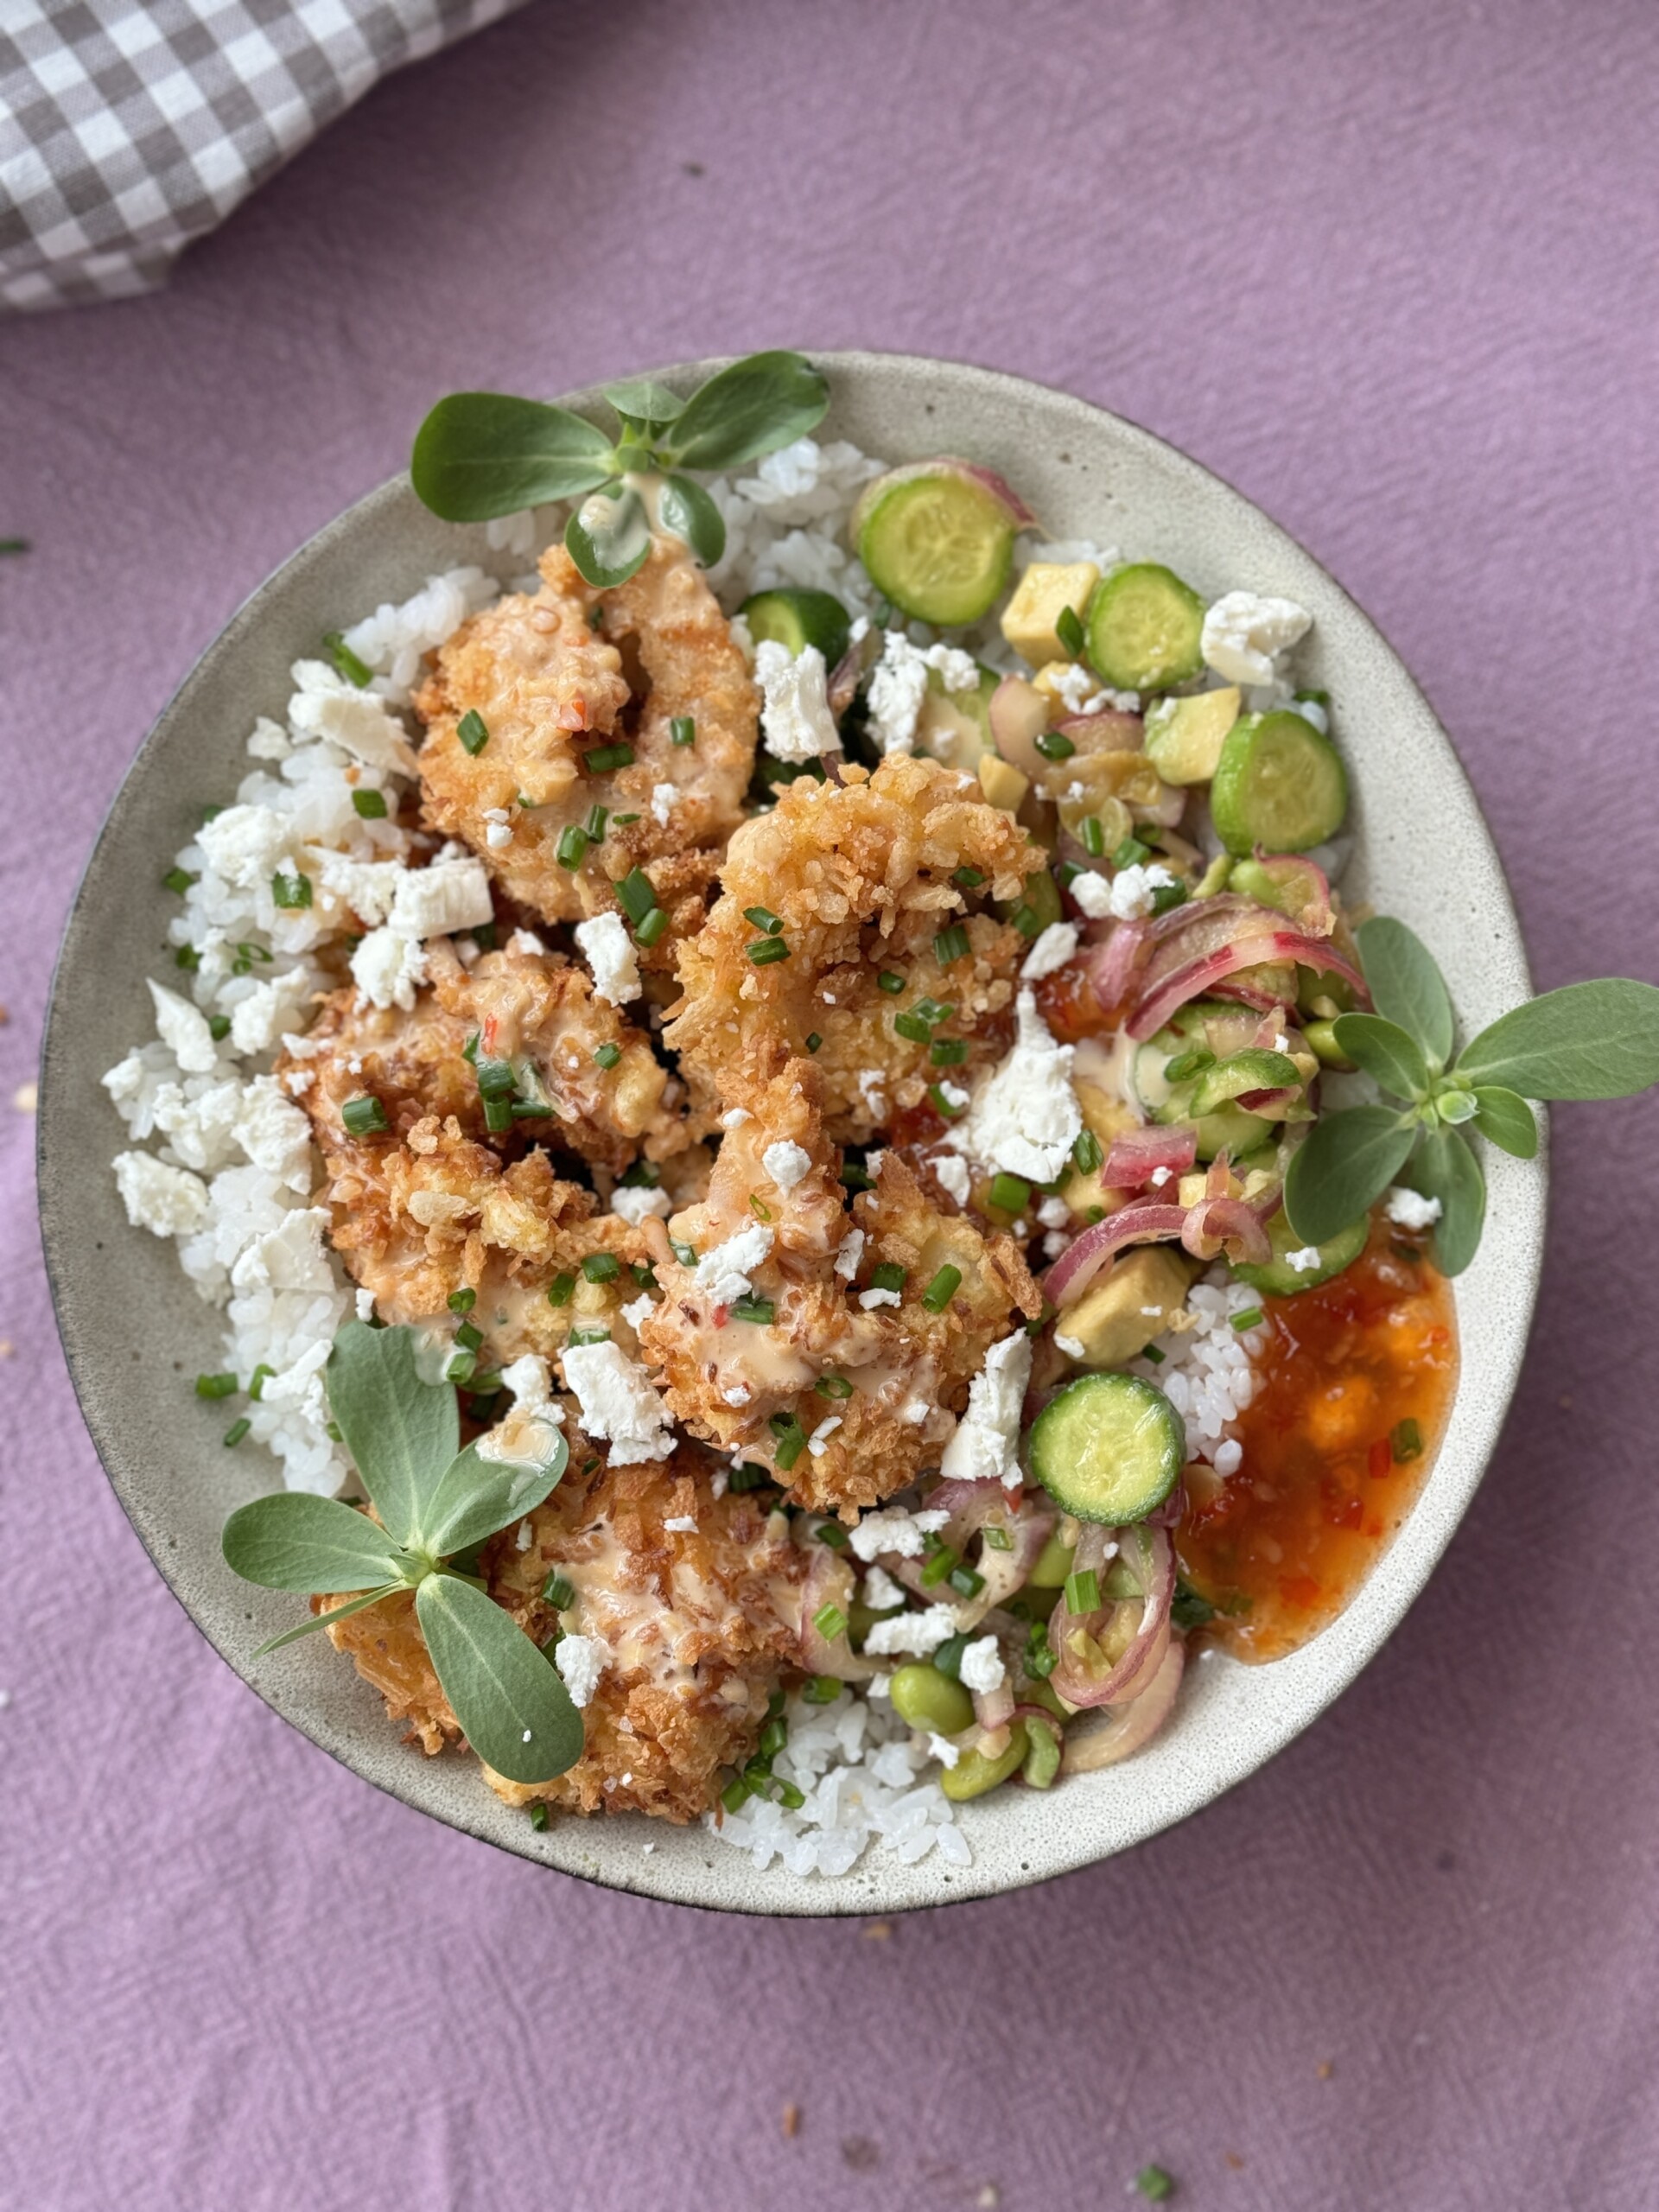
(930, 1700)
(1042, 1760)
(973, 1774)
(1322, 1041)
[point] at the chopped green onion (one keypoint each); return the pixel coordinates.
(1083, 1592)
(773, 1737)
(948, 1658)
(459, 1367)
(830, 1622)
(469, 1050)
(943, 1289)
(1069, 629)
(757, 1774)
(1130, 852)
(219, 1027)
(938, 1564)
(1152, 1353)
(1028, 921)
(887, 981)
(187, 958)
(529, 1110)
(822, 1689)
(636, 893)
(1094, 836)
(1407, 1442)
(257, 1380)
(790, 1446)
(594, 1334)
(1167, 896)
(644, 1274)
(607, 1056)
(371, 805)
(833, 1386)
(236, 1431)
(754, 1309)
(761, 1212)
(750, 1476)
(1154, 2184)
(650, 929)
(1055, 745)
(601, 1267)
(538, 1817)
(621, 820)
(888, 1276)
(832, 1533)
(950, 944)
(484, 936)
(1087, 1156)
(685, 1253)
(1095, 1214)
(1189, 1063)
(1041, 1658)
(968, 878)
(735, 1794)
(766, 950)
(572, 848)
(965, 1582)
(559, 1290)
(854, 1177)
(913, 1026)
(998, 1539)
(353, 669)
(604, 757)
(593, 827)
(461, 1301)
(471, 730)
(332, 1431)
(790, 1796)
(495, 1079)
(934, 1011)
(469, 1336)
(486, 1386)
(1251, 1318)
(948, 1051)
(179, 879)
(365, 1117)
(942, 1104)
(764, 919)
(215, 1386)
(684, 729)
(291, 892)
(813, 1041)
(559, 1591)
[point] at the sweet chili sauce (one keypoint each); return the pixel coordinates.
(1351, 1398)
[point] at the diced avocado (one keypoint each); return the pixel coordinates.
(1044, 591)
(956, 726)
(1107, 1116)
(1002, 782)
(1185, 736)
(1117, 1318)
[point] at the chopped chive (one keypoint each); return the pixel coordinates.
(1095, 1214)
(757, 1774)
(773, 1737)
(604, 757)
(685, 1253)
(371, 805)
(594, 1334)
(1251, 1318)
(621, 820)
(601, 1267)
(1083, 1592)
(644, 1274)
(948, 1658)
(1055, 745)
(187, 958)
(572, 848)
(538, 1817)
(998, 1539)
(913, 1026)
(943, 1289)
(887, 981)
(833, 1386)
(966, 1582)
(791, 1446)
(559, 1290)
(1011, 1192)
(1130, 853)
(179, 879)
(636, 893)
(1167, 896)
(948, 1051)
(292, 892)
(459, 1367)
(830, 1622)
(529, 1110)
(735, 1794)
(1186, 1064)
(211, 813)
(968, 878)
(950, 944)
(1069, 629)
(938, 1566)
(854, 1177)
(683, 729)
(1407, 1442)
(332, 1430)
(471, 732)
(650, 929)
(607, 1056)
(888, 1276)
(789, 1796)
(1087, 1156)
(236, 1431)
(495, 1079)
(1067, 873)
(257, 1380)
(219, 1027)
(353, 669)
(484, 936)
(365, 1117)
(1028, 921)
(461, 1301)
(766, 950)
(764, 919)
(942, 1104)
(1041, 1658)
(813, 1041)
(593, 827)
(758, 1208)
(469, 1336)
(832, 1533)
(215, 1386)
(750, 1476)
(822, 1689)
(1154, 2184)
(754, 1309)
(1094, 836)
(559, 1591)
(934, 1011)
(1152, 1353)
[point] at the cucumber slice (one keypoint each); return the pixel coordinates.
(1107, 1447)
(1280, 1281)
(1185, 736)
(956, 726)
(1278, 783)
(1226, 1128)
(1251, 1070)
(1144, 629)
(797, 619)
(1040, 904)
(937, 544)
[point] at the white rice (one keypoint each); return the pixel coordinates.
(1205, 1372)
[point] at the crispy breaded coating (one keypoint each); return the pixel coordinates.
(575, 671)
(729, 1379)
(862, 877)
(698, 1625)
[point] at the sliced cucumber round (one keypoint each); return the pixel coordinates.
(1278, 783)
(799, 619)
(1279, 1280)
(956, 726)
(938, 543)
(1254, 1069)
(1038, 906)
(1108, 1448)
(1144, 629)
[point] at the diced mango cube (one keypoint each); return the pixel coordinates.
(1046, 587)
(1002, 782)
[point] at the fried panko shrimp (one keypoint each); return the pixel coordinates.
(864, 878)
(529, 704)
(694, 1627)
(535, 1009)
(774, 1343)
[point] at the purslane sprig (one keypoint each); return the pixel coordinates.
(480, 454)
(436, 1503)
(1586, 1040)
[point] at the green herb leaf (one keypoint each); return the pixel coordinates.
(323, 1620)
(483, 454)
(686, 509)
(753, 407)
(1505, 1119)
(1589, 1040)
(479, 1496)
(1389, 1054)
(515, 1710)
(608, 543)
(642, 403)
(1445, 1168)
(402, 1432)
(294, 1541)
(1347, 1163)
(1406, 986)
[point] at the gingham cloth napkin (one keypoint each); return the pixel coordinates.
(129, 127)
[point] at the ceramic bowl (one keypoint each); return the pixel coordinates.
(132, 1325)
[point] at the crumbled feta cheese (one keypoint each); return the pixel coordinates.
(245, 844)
(1126, 897)
(851, 1252)
(869, 1300)
(796, 723)
(183, 1029)
(1244, 635)
(1054, 1213)
(364, 1300)
(327, 705)
(985, 1448)
(259, 1020)
(737, 1394)
(268, 740)
(1303, 1261)
(167, 1201)
(1411, 1210)
(386, 967)
(942, 1749)
(497, 814)
(497, 835)
(952, 1176)
(818, 1442)
(526, 942)
(641, 1310)
(786, 1163)
(894, 1529)
(436, 901)
(663, 797)
(682, 1524)
(734, 1117)
(1077, 688)
(609, 951)
(871, 1091)
(1073, 1347)
(953, 1095)
(958, 671)
(897, 689)
(982, 1666)
(1024, 1117)
(532, 1385)
(1158, 1177)
(581, 1661)
(1052, 949)
(882, 1592)
(635, 1204)
(917, 1635)
(619, 1406)
(727, 1271)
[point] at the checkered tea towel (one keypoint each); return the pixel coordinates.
(129, 127)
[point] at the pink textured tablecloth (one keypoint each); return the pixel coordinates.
(1392, 271)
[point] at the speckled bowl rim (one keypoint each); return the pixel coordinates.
(1232, 1718)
